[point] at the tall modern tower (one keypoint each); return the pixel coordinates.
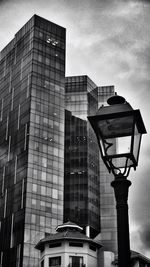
(88, 197)
(32, 73)
(82, 189)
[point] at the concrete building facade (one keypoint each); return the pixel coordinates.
(68, 247)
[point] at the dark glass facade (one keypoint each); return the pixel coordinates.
(82, 185)
(32, 73)
(88, 197)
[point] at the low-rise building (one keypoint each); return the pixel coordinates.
(68, 247)
(137, 260)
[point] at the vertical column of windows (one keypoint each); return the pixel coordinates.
(1, 260)
(5, 66)
(3, 181)
(9, 144)
(10, 81)
(7, 123)
(15, 173)
(12, 99)
(21, 67)
(18, 124)
(5, 203)
(28, 84)
(2, 106)
(25, 137)
(15, 54)
(12, 229)
(30, 40)
(18, 255)
(22, 194)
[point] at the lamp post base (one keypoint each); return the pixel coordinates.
(121, 186)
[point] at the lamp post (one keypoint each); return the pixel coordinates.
(119, 129)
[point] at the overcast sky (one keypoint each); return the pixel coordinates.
(109, 40)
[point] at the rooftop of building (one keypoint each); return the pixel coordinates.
(67, 231)
(34, 20)
(81, 79)
(137, 256)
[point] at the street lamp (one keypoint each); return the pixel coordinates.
(119, 129)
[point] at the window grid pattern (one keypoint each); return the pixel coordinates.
(82, 191)
(31, 138)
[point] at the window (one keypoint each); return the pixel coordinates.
(45, 120)
(55, 193)
(55, 179)
(42, 221)
(44, 162)
(56, 152)
(33, 218)
(75, 244)
(37, 119)
(41, 34)
(43, 176)
(55, 261)
(92, 247)
(39, 58)
(75, 261)
(54, 207)
(55, 245)
(35, 173)
(48, 191)
(1, 258)
(34, 188)
(47, 61)
(33, 202)
(42, 203)
(43, 190)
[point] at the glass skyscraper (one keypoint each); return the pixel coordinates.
(88, 197)
(82, 189)
(32, 76)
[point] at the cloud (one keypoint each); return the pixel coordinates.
(140, 239)
(145, 236)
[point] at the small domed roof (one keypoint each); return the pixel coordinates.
(68, 225)
(67, 231)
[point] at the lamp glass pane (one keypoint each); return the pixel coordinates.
(118, 150)
(121, 162)
(123, 144)
(136, 145)
(108, 146)
(116, 146)
(116, 127)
